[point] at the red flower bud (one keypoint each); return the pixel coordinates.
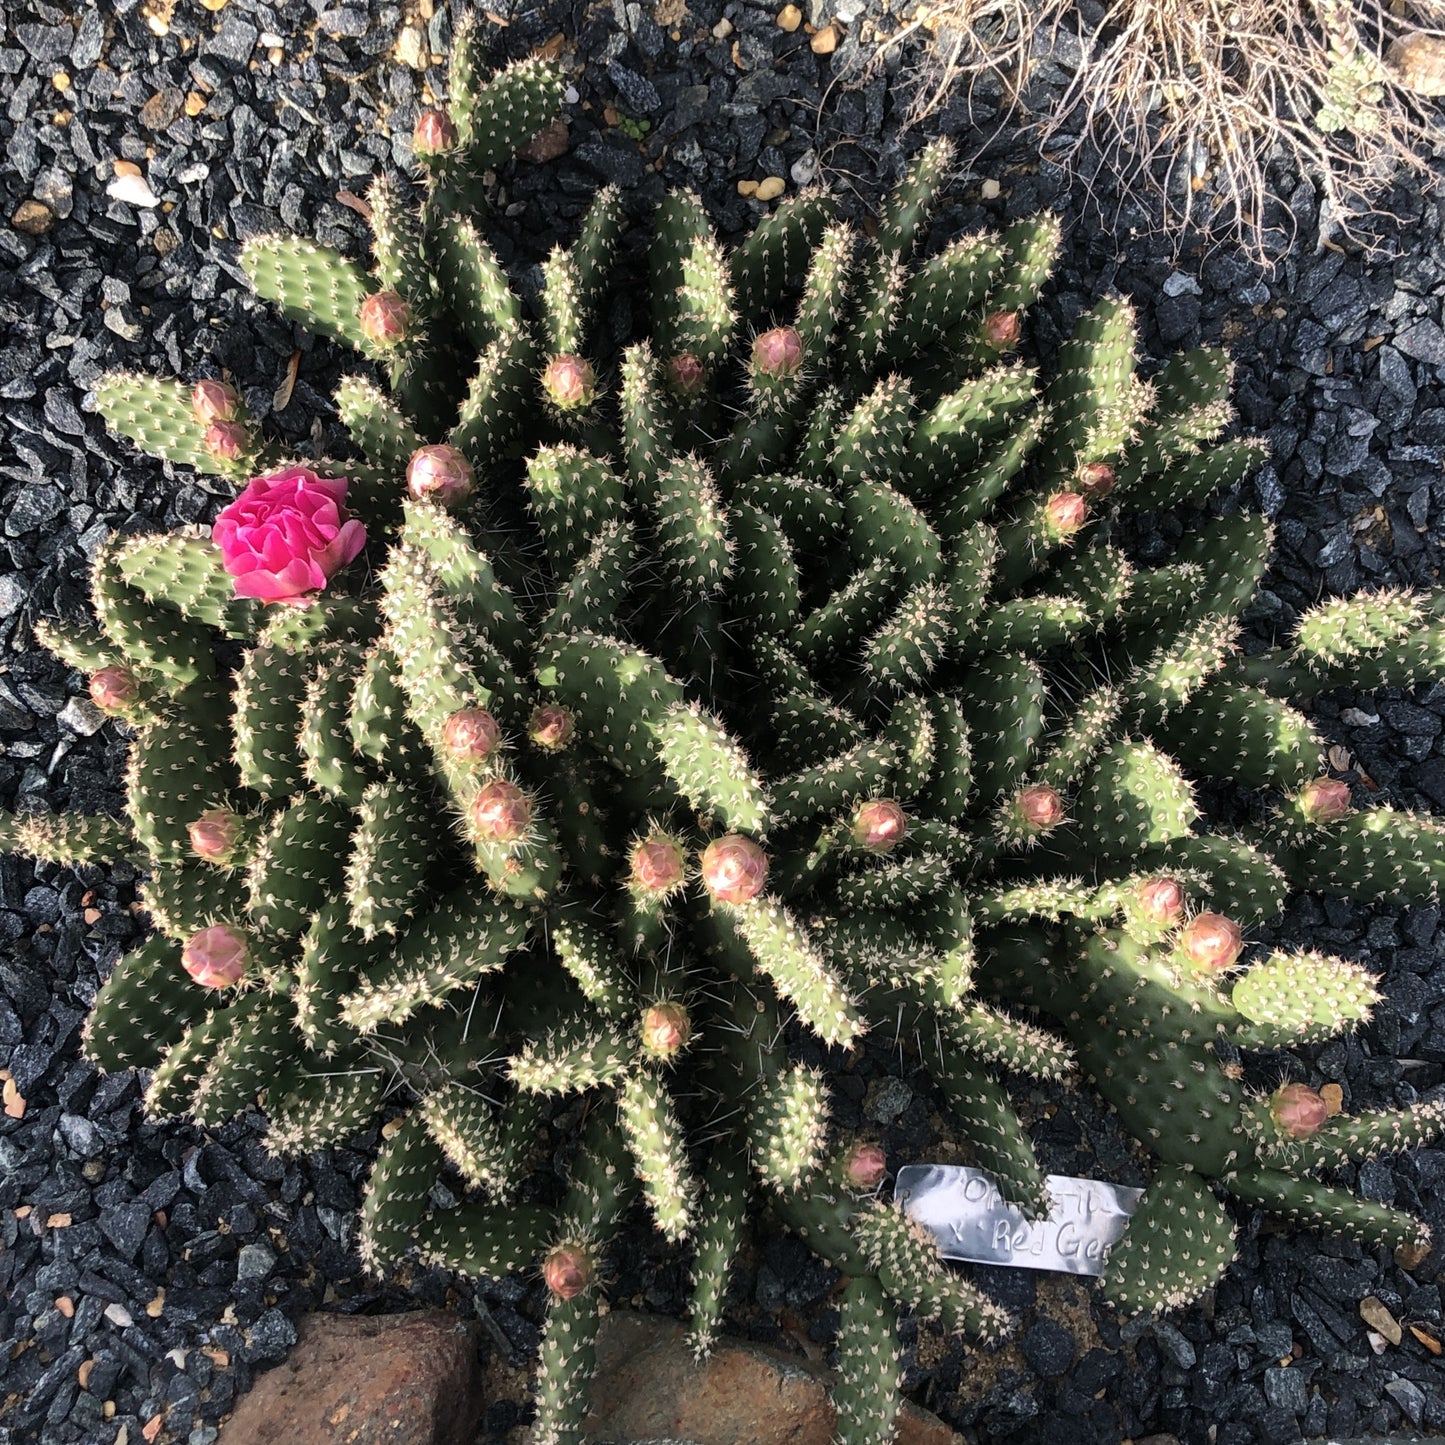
(570, 382)
(1298, 1111)
(686, 374)
(501, 812)
(439, 474)
(215, 834)
(1324, 800)
(1161, 900)
(216, 957)
(666, 1028)
(879, 825)
(215, 401)
(228, 441)
(1211, 942)
(658, 863)
(1096, 479)
(1065, 513)
(734, 868)
(385, 318)
(551, 727)
(1002, 328)
(113, 689)
(568, 1271)
(864, 1166)
(471, 733)
(778, 352)
(433, 133)
(1039, 808)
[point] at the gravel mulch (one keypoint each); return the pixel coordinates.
(149, 1270)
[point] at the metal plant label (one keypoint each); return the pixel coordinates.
(968, 1217)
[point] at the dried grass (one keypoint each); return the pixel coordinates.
(1195, 103)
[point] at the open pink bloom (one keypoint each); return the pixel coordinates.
(286, 535)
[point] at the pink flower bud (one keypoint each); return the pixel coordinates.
(501, 812)
(778, 352)
(568, 1271)
(1002, 328)
(1039, 808)
(385, 318)
(734, 868)
(471, 733)
(433, 133)
(686, 375)
(1324, 800)
(1161, 900)
(1211, 942)
(551, 727)
(879, 825)
(216, 957)
(215, 401)
(228, 441)
(439, 474)
(1298, 1111)
(1096, 479)
(864, 1166)
(1065, 513)
(658, 863)
(215, 834)
(666, 1028)
(114, 689)
(570, 382)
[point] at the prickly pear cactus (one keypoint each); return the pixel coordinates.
(777, 676)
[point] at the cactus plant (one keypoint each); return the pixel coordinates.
(708, 696)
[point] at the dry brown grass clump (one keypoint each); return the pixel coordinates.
(1191, 100)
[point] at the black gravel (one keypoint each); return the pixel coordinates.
(167, 1264)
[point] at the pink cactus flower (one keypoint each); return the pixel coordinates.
(666, 1028)
(287, 535)
(385, 319)
(568, 1270)
(551, 727)
(570, 382)
(440, 474)
(1065, 513)
(686, 374)
(1039, 808)
(1324, 800)
(1096, 479)
(1161, 900)
(471, 733)
(864, 1166)
(734, 868)
(879, 825)
(501, 812)
(658, 863)
(433, 133)
(228, 441)
(216, 957)
(778, 352)
(215, 401)
(1211, 942)
(1002, 328)
(1298, 1111)
(114, 689)
(215, 834)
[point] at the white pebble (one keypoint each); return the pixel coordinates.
(989, 190)
(119, 1315)
(133, 190)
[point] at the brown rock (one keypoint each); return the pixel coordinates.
(363, 1380)
(547, 145)
(35, 218)
(163, 108)
(649, 1387)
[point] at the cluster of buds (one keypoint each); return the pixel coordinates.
(219, 408)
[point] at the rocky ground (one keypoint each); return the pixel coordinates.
(146, 1272)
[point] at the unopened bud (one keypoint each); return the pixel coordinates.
(1324, 800)
(385, 318)
(551, 727)
(666, 1028)
(433, 133)
(114, 689)
(658, 863)
(216, 957)
(778, 352)
(439, 474)
(879, 825)
(567, 1270)
(1161, 901)
(215, 834)
(215, 401)
(228, 441)
(471, 733)
(1211, 942)
(1002, 328)
(1039, 808)
(864, 1166)
(734, 869)
(570, 382)
(1096, 479)
(686, 375)
(501, 812)
(1065, 513)
(1298, 1111)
